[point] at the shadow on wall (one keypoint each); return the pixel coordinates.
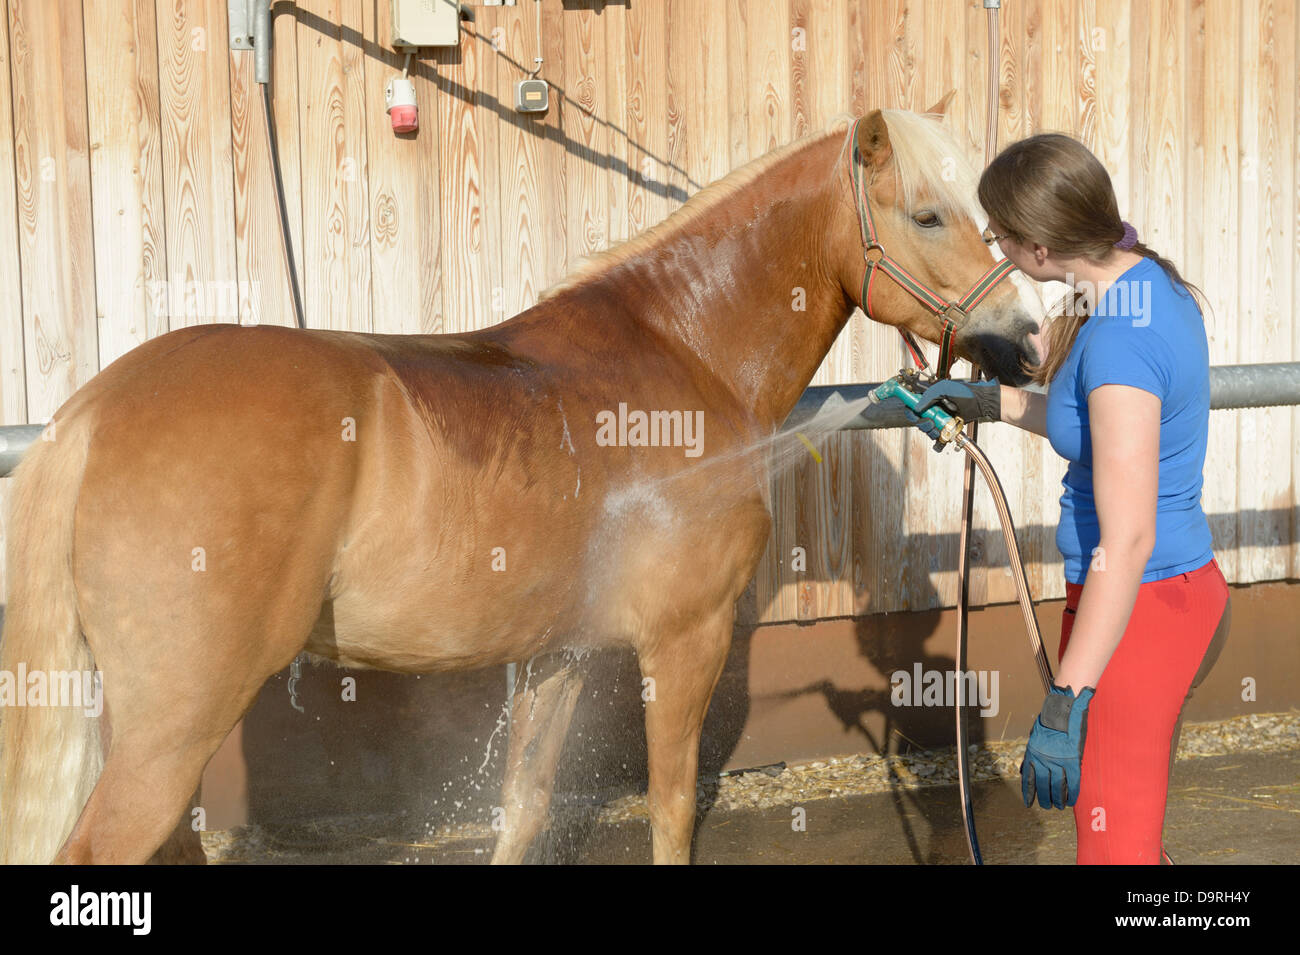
(505, 111)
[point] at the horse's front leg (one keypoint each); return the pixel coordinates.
(684, 667)
(546, 693)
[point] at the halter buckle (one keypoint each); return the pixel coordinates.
(954, 314)
(879, 251)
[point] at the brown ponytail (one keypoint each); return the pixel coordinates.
(1051, 190)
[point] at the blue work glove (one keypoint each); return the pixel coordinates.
(925, 424)
(1051, 766)
(968, 400)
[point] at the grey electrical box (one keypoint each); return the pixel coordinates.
(425, 23)
(532, 96)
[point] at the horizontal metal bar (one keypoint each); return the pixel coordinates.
(1231, 386)
(14, 440)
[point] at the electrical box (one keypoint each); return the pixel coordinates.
(425, 23)
(531, 96)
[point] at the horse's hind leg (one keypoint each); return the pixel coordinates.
(169, 705)
(542, 708)
(685, 668)
(185, 845)
(162, 738)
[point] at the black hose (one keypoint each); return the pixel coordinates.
(284, 209)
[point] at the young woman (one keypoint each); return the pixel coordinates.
(1127, 372)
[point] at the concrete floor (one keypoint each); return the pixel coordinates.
(1230, 810)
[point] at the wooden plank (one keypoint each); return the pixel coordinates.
(707, 100)
(126, 174)
(405, 226)
(1295, 297)
(522, 136)
(768, 42)
(1027, 463)
(288, 130)
(53, 192)
(857, 83)
(335, 208)
(553, 189)
(13, 376)
(265, 296)
(828, 92)
(490, 109)
(679, 80)
(1265, 484)
(800, 124)
(1250, 296)
(767, 82)
(829, 493)
(584, 109)
(738, 71)
(1059, 107)
(13, 384)
(620, 175)
(197, 162)
(878, 491)
(1218, 188)
(461, 183)
(647, 118)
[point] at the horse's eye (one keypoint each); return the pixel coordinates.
(927, 220)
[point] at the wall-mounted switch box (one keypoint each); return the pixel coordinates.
(425, 23)
(532, 96)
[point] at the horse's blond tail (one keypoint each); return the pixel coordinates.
(50, 755)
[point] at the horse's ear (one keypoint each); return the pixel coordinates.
(941, 107)
(873, 139)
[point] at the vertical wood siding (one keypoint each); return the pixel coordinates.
(135, 197)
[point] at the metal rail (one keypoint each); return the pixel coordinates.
(1231, 386)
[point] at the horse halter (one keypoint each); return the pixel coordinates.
(950, 314)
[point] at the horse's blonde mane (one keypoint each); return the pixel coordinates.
(927, 163)
(932, 170)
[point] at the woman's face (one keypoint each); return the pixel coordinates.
(1033, 264)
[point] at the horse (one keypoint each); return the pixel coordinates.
(222, 497)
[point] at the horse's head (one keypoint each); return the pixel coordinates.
(909, 185)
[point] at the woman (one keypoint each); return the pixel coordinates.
(1127, 371)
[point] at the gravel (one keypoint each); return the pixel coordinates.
(770, 786)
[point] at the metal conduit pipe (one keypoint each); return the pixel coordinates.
(1231, 386)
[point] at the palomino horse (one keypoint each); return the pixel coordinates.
(223, 497)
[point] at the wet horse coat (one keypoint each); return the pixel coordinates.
(223, 497)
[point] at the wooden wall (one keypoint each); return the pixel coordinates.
(134, 170)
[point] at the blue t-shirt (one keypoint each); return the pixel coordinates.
(1149, 334)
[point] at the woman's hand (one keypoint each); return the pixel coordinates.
(968, 400)
(1053, 759)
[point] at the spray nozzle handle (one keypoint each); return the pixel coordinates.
(946, 426)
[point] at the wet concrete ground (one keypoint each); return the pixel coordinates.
(1223, 810)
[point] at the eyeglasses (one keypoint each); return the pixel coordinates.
(989, 238)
